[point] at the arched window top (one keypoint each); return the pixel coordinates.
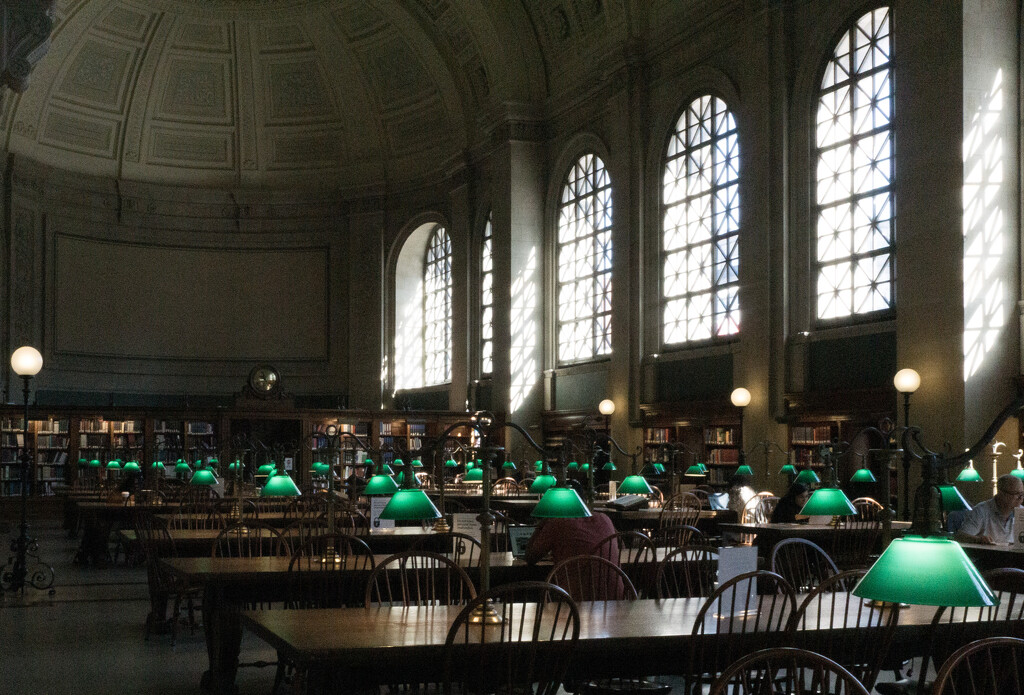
(853, 192)
(584, 272)
(700, 225)
(437, 309)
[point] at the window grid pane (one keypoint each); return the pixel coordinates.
(700, 225)
(437, 309)
(584, 260)
(853, 249)
(487, 301)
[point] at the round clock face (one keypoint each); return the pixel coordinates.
(264, 379)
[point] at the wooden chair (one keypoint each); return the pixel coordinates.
(681, 509)
(528, 652)
(686, 572)
(854, 541)
(506, 486)
(196, 517)
(786, 670)
(466, 550)
(635, 554)
(831, 607)
(803, 564)
(990, 666)
(301, 531)
(418, 578)
(676, 536)
(250, 540)
(592, 578)
(742, 608)
(320, 581)
(868, 509)
(155, 542)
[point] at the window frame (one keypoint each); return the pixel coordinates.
(448, 286)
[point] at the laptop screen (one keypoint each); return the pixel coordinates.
(519, 537)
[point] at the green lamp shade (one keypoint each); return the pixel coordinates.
(635, 485)
(926, 571)
(659, 468)
(158, 465)
(321, 469)
(952, 500)
(703, 468)
(863, 475)
(114, 465)
(584, 468)
(399, 463)
(970, 475)
(416, 463)
(829, 501)
(745, 470)
(1018, 472)
(694, 471)
(474, 475)
(807, 477)
(266, 469)
(380, 485)
(410, 505)
(388, 470)
(649, 469)
(560, 503)
(280, 485)
(470, 465)
(542, 482)
(608, 466)
(132, 466)
(236, 466)
(788, 469)
(95, 463)
(451, 463)
(204, 476)
(539, 466)
(573, 466)
(508, 466)
(213, 463)
(182, 468)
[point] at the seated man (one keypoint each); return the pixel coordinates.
(565, 538)
(991, 521)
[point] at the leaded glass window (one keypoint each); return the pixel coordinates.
(487, 300)
(437, 309)
(853, 250)
(585, 262)
(701, 225)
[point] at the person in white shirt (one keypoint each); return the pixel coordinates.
(991, 521)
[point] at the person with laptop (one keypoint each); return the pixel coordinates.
(565, 538)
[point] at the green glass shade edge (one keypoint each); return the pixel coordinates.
(635, 485)
(280, 485)
(694, 471)
(863, 475)
(203, 476)
(410, 505)
(542, 483)
(508, 466)
(925, 571)
(952, 500)
(182, 467)
(970, 475)
(744, 470)
(829, 501)
(560, 503)
(807, 476)
(380, 485)
(608, 467)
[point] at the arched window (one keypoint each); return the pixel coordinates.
(700, 225)
(585, 262)
(487, 300)
(853, 250)
(437, 309)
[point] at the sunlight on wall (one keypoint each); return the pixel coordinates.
(986, 261)
(409, 341)
(523, 357)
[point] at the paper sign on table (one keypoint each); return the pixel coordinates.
(732, 562)
(467, 523)
(377, 504)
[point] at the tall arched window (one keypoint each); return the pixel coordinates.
(487, 300)
(700, 225)
(853, 250)
(437, 309)
(585, 262)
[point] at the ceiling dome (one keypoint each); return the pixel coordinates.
(359, 94)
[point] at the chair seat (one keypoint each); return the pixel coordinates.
(617, 686)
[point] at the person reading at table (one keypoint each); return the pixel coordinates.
(991, 521)
(788, 508)
(565, 538)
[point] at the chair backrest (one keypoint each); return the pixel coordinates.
(592, 578)
(678, 535)
(687, 571)
(330, 572)
(681, 516)
(990, 666)
(759, 508)
(196, 517)
(249, 540)
(301, 531)
(634, 553)
(418, 578)
(528, 651)
(830, 606)
(854, 541)
(506, 486)
(737, 612)
(465, 550)
(786, 670)
(868, 508)
(803, 564)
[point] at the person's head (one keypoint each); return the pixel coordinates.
(799, 493)
(1009, 492)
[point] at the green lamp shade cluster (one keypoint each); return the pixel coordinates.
(745, 470)
(204, 476)
(970, 475)
(863, 475)
(807, 477)
(158, 466)
(694, 471)
(410, 505)
(952, 500)
(560, 503)
(132, 466)
(788, 469)
(266, 469)
(608, 466)
(280, 485)
(182, 468)
(926, 571)
(474, 475)
(635, 485)
(829, 501)
(542, 483)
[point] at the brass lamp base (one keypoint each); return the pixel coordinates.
(441, 525)
(485, 613)
(330, 556)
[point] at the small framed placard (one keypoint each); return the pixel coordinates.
(377, 504)
(467, 523)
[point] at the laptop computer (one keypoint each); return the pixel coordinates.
(518, 538)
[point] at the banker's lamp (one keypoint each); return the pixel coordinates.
(204, 476)
(970, 474)
(807, 477)
(380, 483)
(829, 500)
(410, 503)
(280, 485)
(132, 467)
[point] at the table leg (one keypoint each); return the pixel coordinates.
(223, 628)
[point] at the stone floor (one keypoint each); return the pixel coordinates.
(88, 637)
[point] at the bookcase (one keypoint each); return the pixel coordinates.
(716, 446)
(48, 450)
